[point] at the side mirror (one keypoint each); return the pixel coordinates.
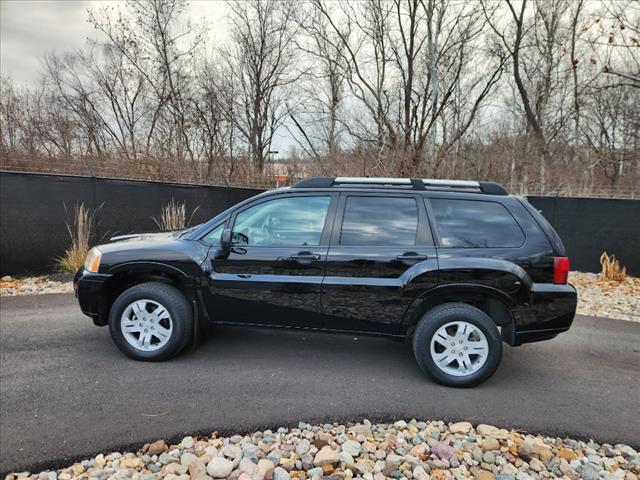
(225, 245)
(225, 239)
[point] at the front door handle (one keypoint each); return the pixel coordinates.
(305, 256)
(411, 256)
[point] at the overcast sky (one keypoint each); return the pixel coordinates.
(31, 28)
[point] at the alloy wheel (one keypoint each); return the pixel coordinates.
(459, 348)
(146, 325)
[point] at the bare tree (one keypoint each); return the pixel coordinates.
(261, 65)
(575, 32)
(318, 125)
(404, 63)
(612, 130)
(514, 48)
(106, 96)
(74, 89)
(149, 34)
(616, 38)
(358, 33)
(213, 114)
(536, 50)
(9, 115)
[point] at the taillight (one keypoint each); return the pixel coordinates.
(560, 270)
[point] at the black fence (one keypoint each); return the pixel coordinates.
(590, 226)
(34, 210)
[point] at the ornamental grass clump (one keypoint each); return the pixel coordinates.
(611, 268)
(80, 235)
(173, 217)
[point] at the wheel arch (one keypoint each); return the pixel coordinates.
(127, 275)
(495, 303)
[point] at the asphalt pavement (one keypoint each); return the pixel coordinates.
(66, 392)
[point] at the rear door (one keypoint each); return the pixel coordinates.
(274, 272)
(381, 257)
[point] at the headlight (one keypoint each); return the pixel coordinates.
(92, 263)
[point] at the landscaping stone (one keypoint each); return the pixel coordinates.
(460, 427)
(404, 450)
(326, 455)
(265, 467)
(603, 298)
(57, 283)
(280, 473)
(442, 450)
(219, 467)
(490, 444)
(352, 447)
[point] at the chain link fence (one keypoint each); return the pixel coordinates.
(238, 173)
(227, 172)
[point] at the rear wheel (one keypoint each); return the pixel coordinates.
(151, 321)
(457, 345)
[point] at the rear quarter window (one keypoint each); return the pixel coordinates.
(475, 224)
(546, 227)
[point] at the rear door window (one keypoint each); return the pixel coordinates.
(475, 224)
(379, 221)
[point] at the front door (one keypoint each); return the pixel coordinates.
(274, 272)
(381, 258)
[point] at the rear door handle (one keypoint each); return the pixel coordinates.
(411, 256)
(305, 256)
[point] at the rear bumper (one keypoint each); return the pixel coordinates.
(549, 311)
(89, 288)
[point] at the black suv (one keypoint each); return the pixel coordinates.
(457, 267)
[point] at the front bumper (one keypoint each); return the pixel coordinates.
(549, 311)
(89, 290)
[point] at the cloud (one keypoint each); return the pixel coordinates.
(31, 28)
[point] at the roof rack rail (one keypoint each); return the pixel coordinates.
(472, 186)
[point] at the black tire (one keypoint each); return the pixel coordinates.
(440, 316)
(170, 298)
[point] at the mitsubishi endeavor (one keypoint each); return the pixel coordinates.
(455, 267)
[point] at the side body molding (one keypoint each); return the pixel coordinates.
(404, 282)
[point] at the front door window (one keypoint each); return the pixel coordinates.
(292, 221)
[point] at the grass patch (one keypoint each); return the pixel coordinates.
(174, 217)
(611, 268)
(79, 234)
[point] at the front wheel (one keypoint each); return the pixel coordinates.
(151, 321)
(457, 345)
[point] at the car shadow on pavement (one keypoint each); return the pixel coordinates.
(313, 351)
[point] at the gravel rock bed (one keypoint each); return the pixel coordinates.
(600, 297)
(403, 450)
(57, 283)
